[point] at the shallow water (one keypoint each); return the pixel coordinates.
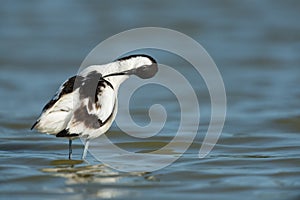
(256, 47)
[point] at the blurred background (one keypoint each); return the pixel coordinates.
(255, 45)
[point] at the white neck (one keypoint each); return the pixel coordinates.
(116, 67)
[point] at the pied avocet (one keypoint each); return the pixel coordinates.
(86, 104)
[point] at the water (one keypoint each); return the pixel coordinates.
(256, 47)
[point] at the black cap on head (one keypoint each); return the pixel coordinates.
(144, 71)
(137, 55)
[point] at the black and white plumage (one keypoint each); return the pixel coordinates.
(86, 104)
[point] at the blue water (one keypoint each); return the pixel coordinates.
(255, 45)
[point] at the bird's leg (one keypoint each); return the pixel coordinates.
(86, 146)
(70, 149)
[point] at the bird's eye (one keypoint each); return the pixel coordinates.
(146, 71)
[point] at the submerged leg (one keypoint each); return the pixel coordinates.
(86, 146)
(70, 149)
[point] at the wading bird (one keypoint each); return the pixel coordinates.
(86, 104)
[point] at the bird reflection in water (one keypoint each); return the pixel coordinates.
(100, 180)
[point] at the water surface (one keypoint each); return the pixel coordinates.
(256, 47)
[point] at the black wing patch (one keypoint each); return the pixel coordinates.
(32, 127)
(92, 86)
(65, 133)
(69, 86)
(81, 115)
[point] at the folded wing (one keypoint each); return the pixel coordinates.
(95, 109)
(58, 111)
